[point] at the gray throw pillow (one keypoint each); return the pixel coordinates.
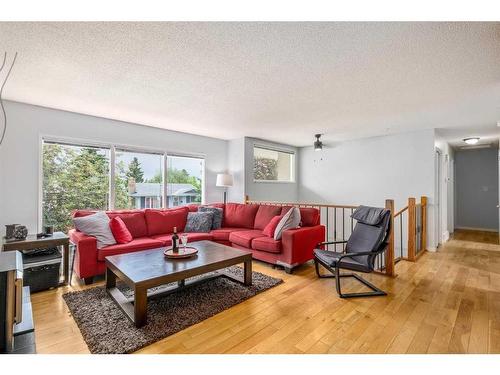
(199, 222)
(96, 225)
(290, 220)
(217, 213)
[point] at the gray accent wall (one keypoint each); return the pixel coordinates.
(476, 188)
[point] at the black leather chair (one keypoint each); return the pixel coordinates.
(368, 239)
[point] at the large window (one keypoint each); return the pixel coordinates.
(74, 177)
(184, 180)
(79, 177)
(138, 180)
(273, 165)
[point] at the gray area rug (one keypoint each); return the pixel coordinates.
(107, 330)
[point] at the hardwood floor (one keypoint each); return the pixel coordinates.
(447, 302)
(476, 236)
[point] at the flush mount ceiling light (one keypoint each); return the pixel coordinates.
(471, 141)
(318, 145)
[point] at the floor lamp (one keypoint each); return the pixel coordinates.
(224, 180)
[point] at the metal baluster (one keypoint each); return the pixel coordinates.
(343, 227)
(335, 227)
(401, 233)
(352, 220)
(327, 229)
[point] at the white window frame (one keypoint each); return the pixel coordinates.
(80, 142)
(140, 151)
(277, 149)
(183, 155)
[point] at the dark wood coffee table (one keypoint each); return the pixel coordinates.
(147, 269)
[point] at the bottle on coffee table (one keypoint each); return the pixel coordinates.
(175, 241)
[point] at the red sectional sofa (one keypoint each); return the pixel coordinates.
(242, 227)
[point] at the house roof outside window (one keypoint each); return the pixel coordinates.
(150, 189)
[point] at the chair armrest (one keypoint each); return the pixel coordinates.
(331, 243)
(351, 255)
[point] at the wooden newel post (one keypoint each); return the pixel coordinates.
(389, 255)
(423, 239)
(412, 230)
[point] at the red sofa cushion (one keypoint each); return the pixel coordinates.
(264, 215)
(164, 221)
(119, 230)
(244, 238)
(271, 227)
(222, 234)
(193, 207)
(137, 244)
(240, 215)
(309, 216)
(267, 244)
(134, 221)
(192, 237)
(218, 205)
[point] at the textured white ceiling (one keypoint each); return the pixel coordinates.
(278, 81)
(488, 135)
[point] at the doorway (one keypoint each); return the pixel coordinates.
(477, 192)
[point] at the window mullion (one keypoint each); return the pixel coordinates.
(112, 172)
(203, 185)
(165, 181)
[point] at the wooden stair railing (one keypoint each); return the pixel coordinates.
(416, 230)
(390, 260)
(412, 229)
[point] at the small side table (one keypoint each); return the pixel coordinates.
(32, 242)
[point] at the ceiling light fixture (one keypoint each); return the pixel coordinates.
(471, 141)
(318, 145)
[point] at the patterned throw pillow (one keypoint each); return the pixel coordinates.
(290, 220)
(96, 225)
(217, 213)
(199, 222)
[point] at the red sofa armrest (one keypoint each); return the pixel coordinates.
(298, 244)
(85, 255)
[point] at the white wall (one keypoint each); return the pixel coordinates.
(236, 166)
(269, 191)
(368, 171)
(446, 188)
(20, 153)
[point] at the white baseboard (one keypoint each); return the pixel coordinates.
(432, 249)
(446, 236)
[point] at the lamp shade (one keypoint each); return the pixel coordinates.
(224, 180)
